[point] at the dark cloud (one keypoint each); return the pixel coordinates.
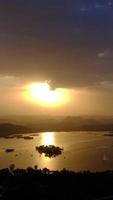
(63, 41)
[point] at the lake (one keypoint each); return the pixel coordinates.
(82, 151)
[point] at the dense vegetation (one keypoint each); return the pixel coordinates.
(50, 150)
(47, 185)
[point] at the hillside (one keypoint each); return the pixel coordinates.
(29, 124)
(8, 129)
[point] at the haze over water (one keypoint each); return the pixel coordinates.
(82, 151)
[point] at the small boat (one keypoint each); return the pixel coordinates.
(9, 150)
(109, 134)
(28, 138)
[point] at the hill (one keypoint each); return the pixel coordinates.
(9, 129)
(29, 124)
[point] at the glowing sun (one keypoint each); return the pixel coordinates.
(42, 93)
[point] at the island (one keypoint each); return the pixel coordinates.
(50, 150)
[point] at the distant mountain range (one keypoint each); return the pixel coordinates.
(39, 124)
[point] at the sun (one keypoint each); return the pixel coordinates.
(43, 94)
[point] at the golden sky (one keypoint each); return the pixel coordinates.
(68, 44)
(16, 98)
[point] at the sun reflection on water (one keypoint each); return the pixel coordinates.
(48, 138)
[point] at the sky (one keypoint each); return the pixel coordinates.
(66, 42)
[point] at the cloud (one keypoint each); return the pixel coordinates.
(107, 53)
(9, 82)
(105, 85)
(6, 80)
(50, 40)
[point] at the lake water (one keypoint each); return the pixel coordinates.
(82, 151)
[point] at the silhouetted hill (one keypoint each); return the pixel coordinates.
(72, 124)
(8, 129)
(54, 123)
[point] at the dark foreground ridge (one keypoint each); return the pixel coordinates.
(46, 185)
